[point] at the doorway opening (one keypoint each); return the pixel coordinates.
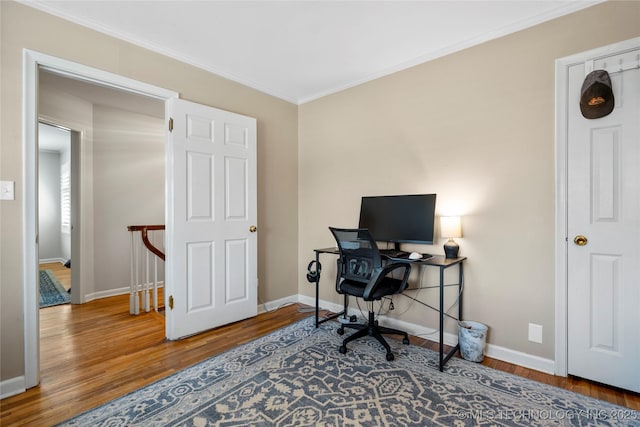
(119, 179)
(54, 214)
(40, 107)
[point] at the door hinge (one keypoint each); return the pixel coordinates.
(171, 302)
(170, 124)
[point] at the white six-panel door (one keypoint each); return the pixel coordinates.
(211, 267)
(603, 193)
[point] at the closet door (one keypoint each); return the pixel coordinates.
(603, 223)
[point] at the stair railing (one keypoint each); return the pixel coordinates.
(140, 266)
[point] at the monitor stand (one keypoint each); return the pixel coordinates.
(395, 252)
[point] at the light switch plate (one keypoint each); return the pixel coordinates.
(7, 190)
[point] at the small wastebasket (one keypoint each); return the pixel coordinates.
(472, 337)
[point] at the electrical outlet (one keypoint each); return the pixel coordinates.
(535, 333)
(7, 190)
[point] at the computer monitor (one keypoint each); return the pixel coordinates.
(399, 219)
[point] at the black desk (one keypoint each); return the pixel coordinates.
(438, 261)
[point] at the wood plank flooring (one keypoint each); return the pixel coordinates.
(95, 352)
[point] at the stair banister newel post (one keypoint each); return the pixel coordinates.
(135, 281)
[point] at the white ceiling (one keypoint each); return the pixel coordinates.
(303, 50)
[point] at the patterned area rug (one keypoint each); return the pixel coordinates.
(51, 291)
(296, 377)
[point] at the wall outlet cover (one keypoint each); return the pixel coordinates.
(535, 333)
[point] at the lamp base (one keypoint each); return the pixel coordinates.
(451, 249)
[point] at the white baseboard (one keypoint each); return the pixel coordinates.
(115, 292)
(12, 386)
(525, 360)
(274, 305)
(50, 260)
(106, 294)
(324, 305)
(494, 351)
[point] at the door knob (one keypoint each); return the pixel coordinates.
(253, 229)
(580, 240)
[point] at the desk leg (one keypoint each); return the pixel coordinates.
(442, 358)
(451, 352)
(460, 288)
(317, 293)
(441, 349)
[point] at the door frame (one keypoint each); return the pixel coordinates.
(32, 62)
(561, 221)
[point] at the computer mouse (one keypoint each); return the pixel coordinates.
(415, 255)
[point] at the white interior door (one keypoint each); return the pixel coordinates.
(211, 259)
(603, 196)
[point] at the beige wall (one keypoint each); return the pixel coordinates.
(65, 109)
(477, 128)
(128, 188)
(23, 27)
(125, 176)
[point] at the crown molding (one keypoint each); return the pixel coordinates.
(564, 9)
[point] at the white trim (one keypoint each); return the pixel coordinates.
(30, 223)
(101, 28)
(519, 358)
(418, 330)
(561, 88)
(11, 387)
(560, 239)
(50, 260)
(119, 291)
(32, 61)
(562, 10)
(324, 305)
(276, 304)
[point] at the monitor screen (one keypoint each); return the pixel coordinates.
(399, 219)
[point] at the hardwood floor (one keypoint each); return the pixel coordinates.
(95, 352)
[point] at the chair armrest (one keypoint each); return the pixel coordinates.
(377, 277)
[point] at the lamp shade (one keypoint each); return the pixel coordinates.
(450, 226)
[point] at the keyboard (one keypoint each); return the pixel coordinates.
(401, 255)
(392, 253)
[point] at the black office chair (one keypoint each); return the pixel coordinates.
(361, 274)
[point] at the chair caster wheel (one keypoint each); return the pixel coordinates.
(341, 331)
(390, 357)
(405, 341)
(343, 349)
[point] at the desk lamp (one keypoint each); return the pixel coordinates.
(450, 228)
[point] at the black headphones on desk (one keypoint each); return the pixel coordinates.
(314, 275)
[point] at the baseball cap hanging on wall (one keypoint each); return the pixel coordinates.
(596, 96)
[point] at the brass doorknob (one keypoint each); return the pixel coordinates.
(580, 240)
(253, 229)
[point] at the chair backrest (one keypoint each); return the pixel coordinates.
(359, 256)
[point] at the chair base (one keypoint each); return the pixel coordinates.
(372, 329)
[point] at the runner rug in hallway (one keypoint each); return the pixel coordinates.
(51, 291)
